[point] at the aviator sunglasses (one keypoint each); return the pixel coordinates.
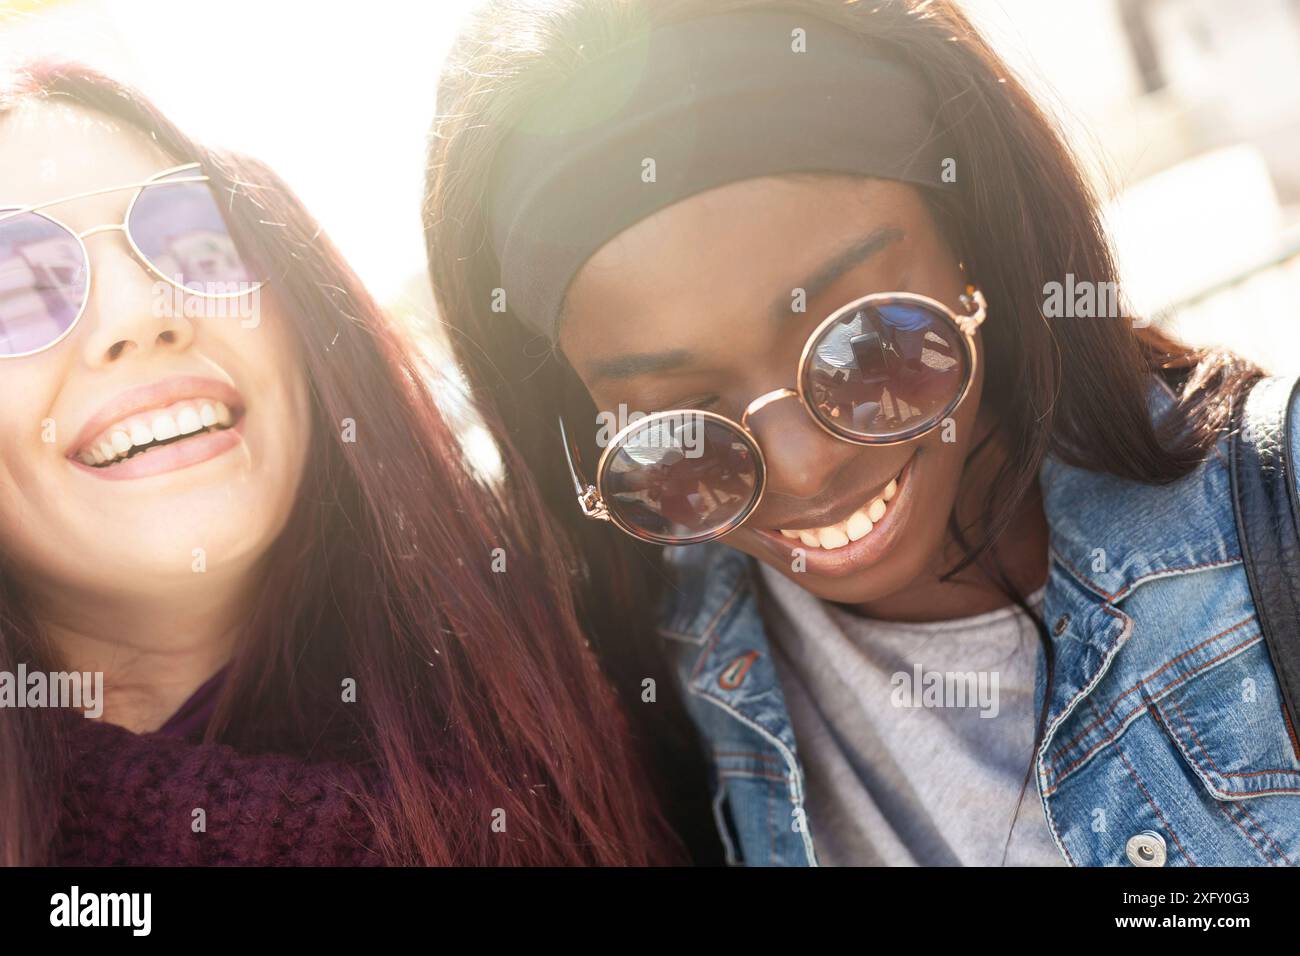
(881, 370)
(173, 227)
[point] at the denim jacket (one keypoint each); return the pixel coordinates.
(1167, 741)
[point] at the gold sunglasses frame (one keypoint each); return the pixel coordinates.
(157, 179)
(591, 498)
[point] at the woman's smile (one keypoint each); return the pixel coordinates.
(852, 543)
(160, 428)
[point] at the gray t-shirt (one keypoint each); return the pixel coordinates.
(914, 738)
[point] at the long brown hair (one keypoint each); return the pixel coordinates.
(477, 691)
(1021, 213)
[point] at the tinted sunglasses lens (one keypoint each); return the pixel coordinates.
(886, 371)
(43, 282)
(179, 228)
(677, 479)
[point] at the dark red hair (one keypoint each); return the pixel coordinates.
(477, 689)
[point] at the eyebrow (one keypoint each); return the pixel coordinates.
(851, 256)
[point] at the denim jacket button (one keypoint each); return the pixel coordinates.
(1062, 623)
(1146, 849)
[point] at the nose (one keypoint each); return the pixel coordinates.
(130, 310)
(800, 456)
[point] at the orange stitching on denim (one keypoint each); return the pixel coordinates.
(1253, 639)
(1197, 740)
(1142, 682)
(1128, 588)
(1265, 834)
(1237, 823)
(711, 632)
(1182, 569)
(1133, 773)
(1142, 706)
(726, 606)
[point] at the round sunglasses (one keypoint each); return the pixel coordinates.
(173, 227)
(881, 370)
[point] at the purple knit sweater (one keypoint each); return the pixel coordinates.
(130, 799)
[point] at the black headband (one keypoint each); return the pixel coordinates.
(710, 100)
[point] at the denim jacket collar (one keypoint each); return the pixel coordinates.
(717, 591)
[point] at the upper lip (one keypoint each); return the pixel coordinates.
(156, 396)
(842, 510)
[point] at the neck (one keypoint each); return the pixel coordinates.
(1021, 552)
(154, 650)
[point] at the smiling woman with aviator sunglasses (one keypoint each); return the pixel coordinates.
(251, 519)
(806, 245)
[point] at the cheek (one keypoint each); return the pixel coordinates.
(268, 364)
(51, 533)
(30, 463)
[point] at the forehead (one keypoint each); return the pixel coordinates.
(52, 150)
(729, 251)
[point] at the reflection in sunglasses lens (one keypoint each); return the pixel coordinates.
(180, 230)
(886, 369)
(681, 477)
(42, 282)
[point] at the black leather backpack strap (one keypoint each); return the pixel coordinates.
(1268, 521)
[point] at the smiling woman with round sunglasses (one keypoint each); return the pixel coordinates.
(855, 382)
(798, 252)
(227, 493)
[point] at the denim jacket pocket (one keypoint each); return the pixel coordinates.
(1231, 726)
(1231, 729)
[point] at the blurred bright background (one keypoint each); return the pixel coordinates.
(1187, 113)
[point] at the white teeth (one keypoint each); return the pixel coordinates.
(188, 421)
(855, 528)
(185, 418)
(164, 428)
(141, 435)
(859, 526)
(831, 538)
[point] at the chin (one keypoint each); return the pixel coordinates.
(204, 531)
(863, 588)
